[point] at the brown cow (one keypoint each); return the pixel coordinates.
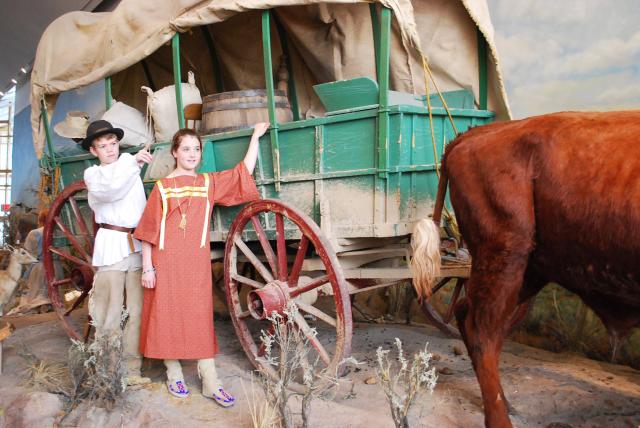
(550, 198)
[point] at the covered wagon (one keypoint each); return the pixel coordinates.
(362, 97)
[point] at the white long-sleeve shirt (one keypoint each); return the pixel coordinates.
(116, 196)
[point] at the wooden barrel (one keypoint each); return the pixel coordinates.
(229, 111)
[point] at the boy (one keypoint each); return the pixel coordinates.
(116, 196)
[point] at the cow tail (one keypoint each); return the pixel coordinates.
(425, 244)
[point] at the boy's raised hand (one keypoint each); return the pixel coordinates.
(144, 155)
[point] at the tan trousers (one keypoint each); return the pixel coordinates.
(106, 306)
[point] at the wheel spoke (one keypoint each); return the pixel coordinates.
(72, 239)
(81, 224)
(313, 338)
(439, 285)
(282, 248)
(436, 320)
(310, 286)
(262, 270)
(69, 257)
(454, 299)
(297, 264)
(78, 301)
(60, 282)
(310, 309)
(248, 281)
(266, 246)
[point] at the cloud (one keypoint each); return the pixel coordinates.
(568, 54)
(615, 91)
(522, 53)
(603, 55)
(621, 95)
(547, 11)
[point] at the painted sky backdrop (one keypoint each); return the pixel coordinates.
(568, 54)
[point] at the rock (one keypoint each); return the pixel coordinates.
(559, 425)
(445, 371)
(457, 350)
(34, 409)
(436, 357)
(99, 417)
(371, 380)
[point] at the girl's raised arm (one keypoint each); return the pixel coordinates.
(252, 151)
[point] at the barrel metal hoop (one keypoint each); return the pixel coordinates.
(240, 94)
(241, 106)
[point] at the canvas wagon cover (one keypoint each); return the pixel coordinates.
(328, 41)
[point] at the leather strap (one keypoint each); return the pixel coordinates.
(126, 230)
(118, 228)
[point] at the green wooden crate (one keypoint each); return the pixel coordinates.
(332, 163)
(362, 92)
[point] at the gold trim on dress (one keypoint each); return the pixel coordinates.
(205, 228)
(165, 208)
(180, 192)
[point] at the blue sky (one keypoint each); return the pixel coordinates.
(568, 54)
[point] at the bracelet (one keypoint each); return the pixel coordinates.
(149, 270)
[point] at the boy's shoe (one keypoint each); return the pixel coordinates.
(177, 388)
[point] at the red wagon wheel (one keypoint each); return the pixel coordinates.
(67, 237)
(276, 284)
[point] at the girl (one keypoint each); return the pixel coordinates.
(177, 311)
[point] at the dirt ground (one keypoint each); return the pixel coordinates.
(546, 389)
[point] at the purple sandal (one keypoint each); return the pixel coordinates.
(177, 388)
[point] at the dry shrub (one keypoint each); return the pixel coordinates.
(94, 372)
(97, 371)
(401, 384)
(286, 352)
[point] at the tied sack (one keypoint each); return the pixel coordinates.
(132, 122)
(161, 106)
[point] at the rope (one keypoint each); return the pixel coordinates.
(453, 225)
(427, 69)
(56, 181)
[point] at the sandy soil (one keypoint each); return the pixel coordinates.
(546, 389)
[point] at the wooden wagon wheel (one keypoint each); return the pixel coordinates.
(279, 284)
(65, 220)
(442, 318)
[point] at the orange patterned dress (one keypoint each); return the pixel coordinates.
(177, 315)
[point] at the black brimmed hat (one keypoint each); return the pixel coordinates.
(98, 128)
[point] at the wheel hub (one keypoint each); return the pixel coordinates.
(82, 278)
(273, 297)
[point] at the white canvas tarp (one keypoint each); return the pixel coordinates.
(327, 42)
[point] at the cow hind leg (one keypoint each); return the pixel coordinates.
(532, 285)
(484, 318)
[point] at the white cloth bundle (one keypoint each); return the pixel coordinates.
(133, 123)
(161, 105)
